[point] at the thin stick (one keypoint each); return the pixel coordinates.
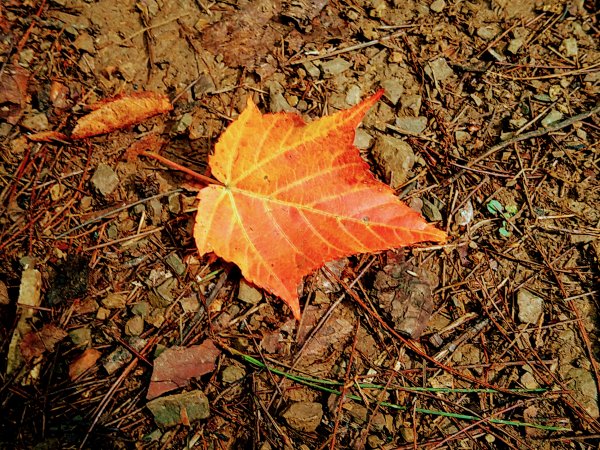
(351, 48)
(532, 134)
(173, 165)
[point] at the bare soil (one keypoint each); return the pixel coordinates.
(489, 126)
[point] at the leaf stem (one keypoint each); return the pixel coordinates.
(173, 165)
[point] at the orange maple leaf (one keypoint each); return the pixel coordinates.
(295, 196)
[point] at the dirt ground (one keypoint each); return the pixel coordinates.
(116, 333)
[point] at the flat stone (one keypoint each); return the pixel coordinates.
(134, 326)
(117, 359)
(248, 293)
(353, 95)
(105, 180)
(461, 136)
(175, 263)
(551, 117)
(438, 6)
(439, 69)
(569, 47)
(304, 416)
(335, 66)
(85, 43)
(114, 301)
(190, 304)
(81, 336)
(515, 44)
(362, 139)
(530, 306)
(102, 313)
(393, 89)
(36, 121)
(529, 381)
(412, 125)
(412, 102)
(488, 32)
(396, 157)
(277, 101)
(231, 374)
(141, 309)
(179, 408)
(583, 386)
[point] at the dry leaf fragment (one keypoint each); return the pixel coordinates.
(13, 93)
(120, 112)
(35, 343)
(177, 365)
(297, 195)
(85, 361)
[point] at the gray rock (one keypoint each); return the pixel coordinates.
(551, 117)
(312, 69)
(175, 263)
(85, 43)
(439, 69)
(168, 411)
(81, 336)
(583, 386)
(174, 203)
(396, 157)
(134, 326)
(35, 121)
(335, 67)
(117, 359)
(530, 306)
(105, 180)
(431, 211)
(353, 95)
(412, 102)
(231, 374)
(114, 301)
(362, 139)
(141, 309)
(304, 416)
(488, 32)
(277, 101)
(569, 47)
(412, 125)
(393, 89)
(205, 85)
(514, 45)
(249, 294)
(184, 122)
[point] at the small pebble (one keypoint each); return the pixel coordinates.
(531, 307)
(551, 117)
(114, 301)
(412, 125)
(105, 180)
(134, 326)
(438, 6)
(231, 374)
(393, 89)
(335, 67)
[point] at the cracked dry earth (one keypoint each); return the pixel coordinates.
(116, 334)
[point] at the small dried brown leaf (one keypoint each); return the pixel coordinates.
(35, 343)
(86, 360)
(177, 365)
(120, 112)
